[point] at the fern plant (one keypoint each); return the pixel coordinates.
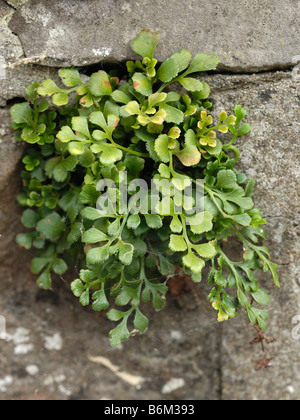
(83, 202)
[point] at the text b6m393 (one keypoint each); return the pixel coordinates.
(173, 409)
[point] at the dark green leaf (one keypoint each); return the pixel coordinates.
(203, 62)
(226, 179)
(100, 302)
(30, 218)
(89, 195)
(174, 115)
(75, 232)
(85, 298)
(94, 236)
(134, 164)
(21, 113)
(246, 128)
(98, 255)
(140, 322)
(168, 70)
(51, 227)
(119, 334)
(126, 252)
(59, 266)
(77, 287)
(182, 59)
(154, 221)
(190, 84)
(249, 191)
(261, 297)
(45, 281)
(38, 264)
(24, 240)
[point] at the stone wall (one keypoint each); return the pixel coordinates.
(212, 361)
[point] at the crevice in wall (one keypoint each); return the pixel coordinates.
(121, 66)
(43, 71)
(254, 70)
(11, 102)
(221, 70)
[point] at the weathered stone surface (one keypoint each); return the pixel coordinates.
(5, 9)
(239, 358)
(247, 38)
(51, 335)
(15, 78)
(270, 154)
(10, 45)
(10, 151)
(10, 155)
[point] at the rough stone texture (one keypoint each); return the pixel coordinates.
(10, 155)
(4, 8)
(271, 154)
(246, 38)
(13, 81)
(53, 333)
(10, 45)
(17, 79)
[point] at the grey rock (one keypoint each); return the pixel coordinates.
(270, 154)
(10, 185)
(280, 381)
(5, 9)
(10, 45)
(10, 151)
(33, 315)
(246, 38)
(15, 76)
(17, 79)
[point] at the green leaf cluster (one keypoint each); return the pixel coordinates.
(109, 124)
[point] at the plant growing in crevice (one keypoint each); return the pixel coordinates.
(121, 130)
